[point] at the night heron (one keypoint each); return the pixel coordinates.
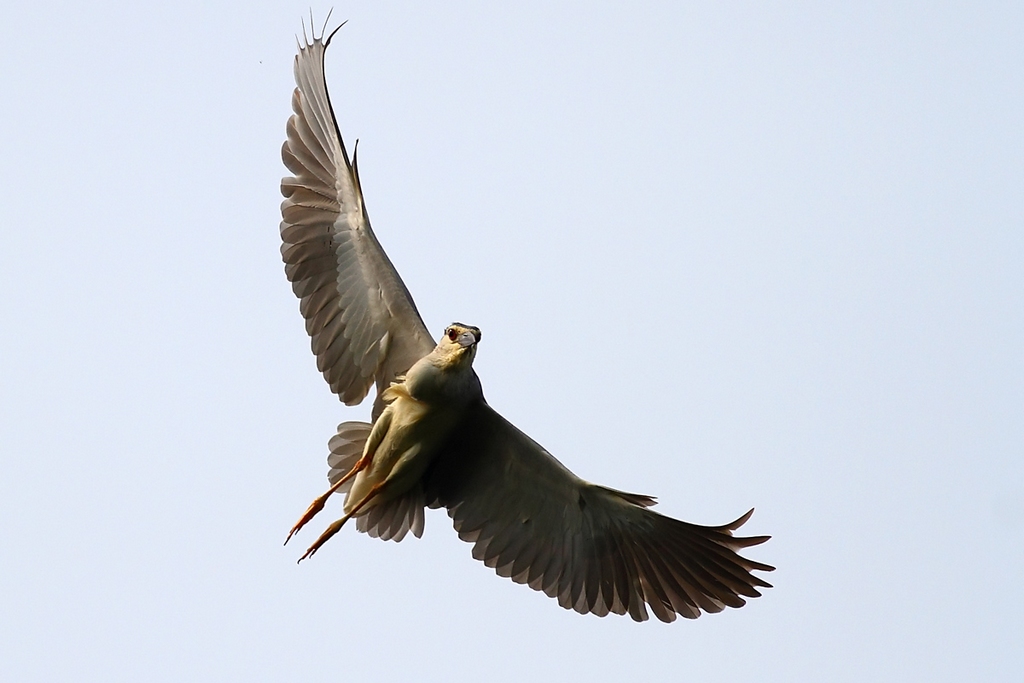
(435, 441)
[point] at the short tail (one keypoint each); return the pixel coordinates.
(346, 449)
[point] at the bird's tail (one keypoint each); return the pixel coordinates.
(346, 448)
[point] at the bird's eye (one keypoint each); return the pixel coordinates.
(452, 334)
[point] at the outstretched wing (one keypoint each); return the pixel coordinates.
(593, 548)
(362, 319)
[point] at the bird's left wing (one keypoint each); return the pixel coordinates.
(364, 325)
(594, 549)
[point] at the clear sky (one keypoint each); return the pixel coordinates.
(728, 254)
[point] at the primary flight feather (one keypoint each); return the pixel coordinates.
(435, 441)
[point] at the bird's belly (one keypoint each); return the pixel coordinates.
(413, 439)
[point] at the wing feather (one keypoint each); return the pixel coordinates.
(351, 296)
(596, 550)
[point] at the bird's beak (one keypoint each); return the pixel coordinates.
(466, 339)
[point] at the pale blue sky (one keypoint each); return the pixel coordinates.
(737, 255)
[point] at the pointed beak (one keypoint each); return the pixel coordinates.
(467, 339)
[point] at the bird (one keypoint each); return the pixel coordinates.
(434, 441)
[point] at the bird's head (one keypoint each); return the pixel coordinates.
(458, 344)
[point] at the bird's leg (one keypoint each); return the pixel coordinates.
(336, 526)
(318, 504)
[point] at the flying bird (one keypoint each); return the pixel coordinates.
(434, 440)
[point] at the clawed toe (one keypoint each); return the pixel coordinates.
(311, 512)
(330, 531)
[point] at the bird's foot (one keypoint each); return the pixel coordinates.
(311, 512)
(336, 526)
(318, 504)
(325, 536)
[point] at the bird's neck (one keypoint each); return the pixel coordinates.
(439, 381)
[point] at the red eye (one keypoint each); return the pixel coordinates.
(452, 334)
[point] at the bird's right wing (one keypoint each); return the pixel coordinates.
(364, 325)
(593, 548)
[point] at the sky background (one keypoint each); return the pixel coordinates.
(732, 255)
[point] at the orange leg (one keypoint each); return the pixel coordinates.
(336, 526)
(318, 504)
